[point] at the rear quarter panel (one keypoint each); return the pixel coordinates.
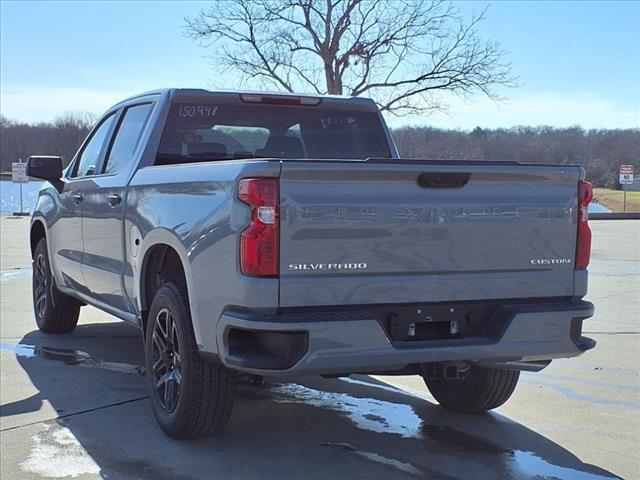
(193, 208)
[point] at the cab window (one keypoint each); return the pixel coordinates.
(127, 137)
(90, 156)
(205, 132)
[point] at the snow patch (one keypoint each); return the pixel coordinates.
(57, 453)
(367, 413)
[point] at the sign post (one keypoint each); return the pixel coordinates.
(626, 178)
(19, 175)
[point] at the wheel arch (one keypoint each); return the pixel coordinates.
(163, 260)
(37, 232)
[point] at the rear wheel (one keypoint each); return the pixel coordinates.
(190, 397)
(477, 389)
(55, 311)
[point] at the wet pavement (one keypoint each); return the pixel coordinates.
(75, 406)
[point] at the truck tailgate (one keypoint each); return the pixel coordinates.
(418, 231)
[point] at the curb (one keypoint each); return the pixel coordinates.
(615, 216)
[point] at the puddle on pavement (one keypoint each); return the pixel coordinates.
(15, 274)
(582, 365)
(584, 381)
(530, 465)
(70, 357)
(579, 397)
(381, 416)
(366, 413)
(389, 388)
(377, 458)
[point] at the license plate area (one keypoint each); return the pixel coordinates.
(438, 322)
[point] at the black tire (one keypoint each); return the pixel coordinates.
(55, 312)
(480, 389)
(191, 398)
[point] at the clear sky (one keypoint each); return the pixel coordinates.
(579, 62)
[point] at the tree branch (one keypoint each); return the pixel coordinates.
(405, 54)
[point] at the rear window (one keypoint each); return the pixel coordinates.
(209, 132)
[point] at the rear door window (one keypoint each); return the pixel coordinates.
(127, 137)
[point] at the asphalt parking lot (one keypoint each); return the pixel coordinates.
(75, 405)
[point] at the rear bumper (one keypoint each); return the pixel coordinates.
(356, 342)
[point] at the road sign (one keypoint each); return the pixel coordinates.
(19, 175)
(626, 174)
(19, 172)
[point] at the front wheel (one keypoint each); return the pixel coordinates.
(477, 390)
(55, 311)
(190, 397)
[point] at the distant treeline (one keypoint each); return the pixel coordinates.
(61, 137)
(600, 152)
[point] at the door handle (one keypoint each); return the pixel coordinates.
(443, 179)
(114, 199)
(77, 198)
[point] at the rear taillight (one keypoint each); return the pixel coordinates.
(259, 241)
(583, 245)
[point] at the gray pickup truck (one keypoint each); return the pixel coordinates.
(280, 235)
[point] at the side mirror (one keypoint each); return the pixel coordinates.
(45, 167)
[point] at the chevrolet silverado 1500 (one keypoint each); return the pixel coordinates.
(276, 235)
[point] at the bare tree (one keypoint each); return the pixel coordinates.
(401, 53)
(80, 119)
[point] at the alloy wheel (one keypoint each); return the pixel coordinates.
(166, 364)
(40, 287)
